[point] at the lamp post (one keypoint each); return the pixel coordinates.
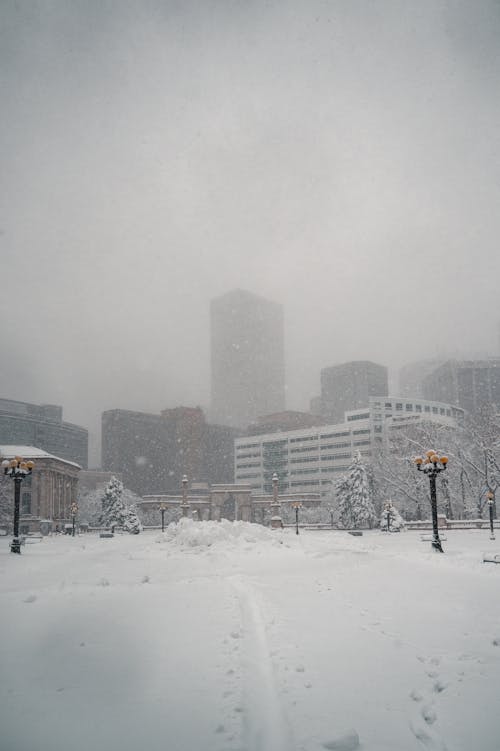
(17, 469)
(276, 521)
(490, 477)
(432, 464)
(491, 500)
(184, 504)
(74, 511)
(296, 505)
(162, 509)
(387, 509)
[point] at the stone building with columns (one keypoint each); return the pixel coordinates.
(235, 502)
(46, 494)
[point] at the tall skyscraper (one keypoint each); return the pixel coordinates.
(248, 358)
(349, 386)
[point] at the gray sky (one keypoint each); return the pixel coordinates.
(342, 158)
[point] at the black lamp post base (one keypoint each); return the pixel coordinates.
(436, 544)
(15, 546)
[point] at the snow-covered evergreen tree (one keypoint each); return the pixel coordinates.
(131, 521)
(353, 497)
(113, 508)
(391, 518)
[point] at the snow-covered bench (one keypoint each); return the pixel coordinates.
(430, 537)
(491, 558)
(106, 534)
(30, 539)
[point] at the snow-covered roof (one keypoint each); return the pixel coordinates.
(31, 452)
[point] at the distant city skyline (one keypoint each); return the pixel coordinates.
(341, 159)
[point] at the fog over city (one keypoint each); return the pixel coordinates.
(340, 158)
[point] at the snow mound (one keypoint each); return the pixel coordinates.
(187, 533)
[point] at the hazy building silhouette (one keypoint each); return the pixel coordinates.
(42, 426)
(153, 452)
(412, 376)
(472, 385)
(349, 386)
(247, 358)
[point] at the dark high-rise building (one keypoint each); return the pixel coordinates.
(247, 358)
(349, 386)
(42, 426)
(470, 384)
(153, 452)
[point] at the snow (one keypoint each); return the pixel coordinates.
(225, 637)
(30, 452)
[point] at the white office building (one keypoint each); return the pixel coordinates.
(309, 459)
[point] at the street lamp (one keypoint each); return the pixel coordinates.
(276, 520)
(387, 509)
(163, 508)
(17, 469)
(184, 504)
(296, 505)
(74, 511)
(490, 477)
(491, 500)
(432, 464)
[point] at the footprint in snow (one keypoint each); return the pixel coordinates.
(347, 742)
(428, 714)
(30, 598)
(496, 641)
(439, 686)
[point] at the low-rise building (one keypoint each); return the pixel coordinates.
(46, 494)
(310, 459)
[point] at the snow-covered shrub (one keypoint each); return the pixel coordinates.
(114, 512)
(391, 520)
(353, 497)
(131, 521)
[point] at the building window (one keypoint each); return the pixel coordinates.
(434, 410)
(26, 503)
(399, 406)
(409, 407)
(418, 407)
(388, 405)
(427, 408)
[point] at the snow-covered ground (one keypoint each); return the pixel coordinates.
(223, 637)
